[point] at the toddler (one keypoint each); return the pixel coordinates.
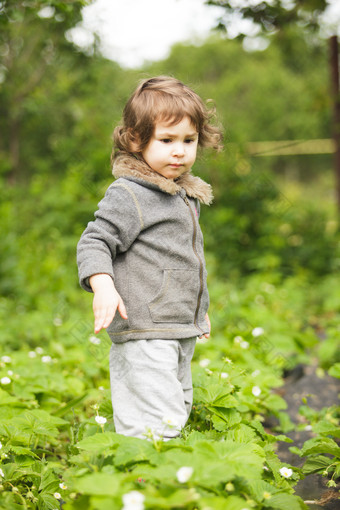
(143, 257)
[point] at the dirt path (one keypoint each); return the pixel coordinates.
(322, 392)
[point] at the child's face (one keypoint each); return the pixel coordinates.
(172, 148)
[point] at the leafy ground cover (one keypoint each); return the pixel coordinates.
(58, 444)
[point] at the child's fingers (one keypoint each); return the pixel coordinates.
(207, 335)
(122, 309)
(103, 317)
(104, 313)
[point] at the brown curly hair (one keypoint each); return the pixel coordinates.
(165, 99)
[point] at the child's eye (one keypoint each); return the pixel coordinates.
(189, 140)
(166, 140)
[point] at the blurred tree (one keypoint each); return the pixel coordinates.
(251, 90)
(32, 39)
(276, 15)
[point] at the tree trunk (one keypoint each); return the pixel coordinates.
(334, 62)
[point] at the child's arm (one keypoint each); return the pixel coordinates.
(106, 301)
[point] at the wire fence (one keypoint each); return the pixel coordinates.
(291, 147)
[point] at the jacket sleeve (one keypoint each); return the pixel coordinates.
(117, 224)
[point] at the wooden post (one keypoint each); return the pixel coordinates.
(334, 62)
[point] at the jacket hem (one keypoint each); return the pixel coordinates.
(156, 333)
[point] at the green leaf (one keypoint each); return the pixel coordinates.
(327, 428)
(282, 437)
(316, 464)
(214, 393)
(49, 482)
(224, 503)
(136, 450)
(7, 399)
(260, 487)
(284, 501)
(225, 401)
(100, 442)
(320, 445)
(19, 450)
(70, 405)
(230, 416)
(337, 468)
(275, 402)
(219, 424)
(178, 499)
(334, 371)
(46, 417)
(47, 501)
(241, 434)
(98, 484)
(194, 437)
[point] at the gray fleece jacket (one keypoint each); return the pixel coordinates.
(146, 236)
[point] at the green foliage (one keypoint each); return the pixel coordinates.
(58, 108)
(275, 14)
(49, 436)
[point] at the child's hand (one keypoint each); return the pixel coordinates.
(207, 335)
(106, 301)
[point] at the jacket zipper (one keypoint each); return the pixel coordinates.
(194, 237)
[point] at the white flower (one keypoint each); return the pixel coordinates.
(268, 287)
(204, 362)
(133, 500)
(257, 331)
(244, 344)
(5, 380)
(238, 339)
(256, 391)
(308, 428)
(100, 420)
(57, 495)
(94, 340)
(6, 359)
(32, 354)
(286, 472)
(39, 350)
(224, 375)
(57, 321)
(101, 388)
(9, 372)
(227, 360)
(46, 359)
(0, 445)
(259, 299)
(63, 486)
(2, 474)
(256, 373)
(184, 473)
(170, 421)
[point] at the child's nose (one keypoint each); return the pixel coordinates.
(178, 149)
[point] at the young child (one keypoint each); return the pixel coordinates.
(143, 256)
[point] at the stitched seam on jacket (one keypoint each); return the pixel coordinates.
(134, 199)
(126, 332)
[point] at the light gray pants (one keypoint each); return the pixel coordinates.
(151, 386)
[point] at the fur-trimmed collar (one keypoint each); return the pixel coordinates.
(126, 165)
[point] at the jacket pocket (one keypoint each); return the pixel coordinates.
(176, 300)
